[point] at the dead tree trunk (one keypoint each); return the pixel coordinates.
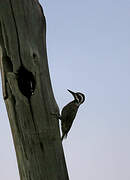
(28, 93)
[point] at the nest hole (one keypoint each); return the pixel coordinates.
(26, 82)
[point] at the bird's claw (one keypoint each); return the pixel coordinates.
(56, 115)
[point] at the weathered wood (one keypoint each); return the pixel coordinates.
(35, 130)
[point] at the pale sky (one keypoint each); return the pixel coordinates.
(88, 44)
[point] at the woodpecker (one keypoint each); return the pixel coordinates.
(69, 112)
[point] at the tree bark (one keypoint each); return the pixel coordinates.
(27, 91)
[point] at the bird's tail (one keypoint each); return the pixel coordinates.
(64, 136)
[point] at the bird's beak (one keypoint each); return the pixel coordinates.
(71, 92)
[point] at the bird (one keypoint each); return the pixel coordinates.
(69, 112)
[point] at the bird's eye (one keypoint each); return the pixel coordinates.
(80, 98)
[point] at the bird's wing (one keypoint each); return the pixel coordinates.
(68, 117)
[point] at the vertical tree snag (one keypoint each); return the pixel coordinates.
(28, 93)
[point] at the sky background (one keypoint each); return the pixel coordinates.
(88, 44)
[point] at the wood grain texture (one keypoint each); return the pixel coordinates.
(35, 130)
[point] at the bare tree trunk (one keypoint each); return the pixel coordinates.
(28, 93)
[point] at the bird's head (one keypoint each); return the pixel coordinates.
(79, 97)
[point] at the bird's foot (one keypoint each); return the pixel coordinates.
(56, 115)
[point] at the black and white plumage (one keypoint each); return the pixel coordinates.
(69, 112)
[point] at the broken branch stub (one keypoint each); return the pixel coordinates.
(28, 93)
